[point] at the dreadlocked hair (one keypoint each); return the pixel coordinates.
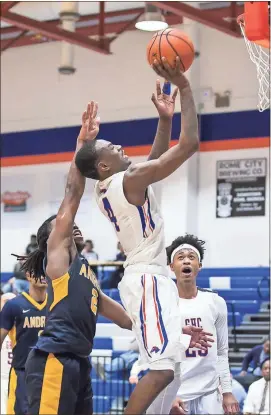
(33, 262)
(186, 239)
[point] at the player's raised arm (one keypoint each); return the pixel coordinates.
(165, 104)
(138, 177)
(61, 240)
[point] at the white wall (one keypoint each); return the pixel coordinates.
(225, 65)
(34, 95)
(230, 242)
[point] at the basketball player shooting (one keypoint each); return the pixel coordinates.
(125, 197)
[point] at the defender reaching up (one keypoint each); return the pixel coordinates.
(124, 195)
(58, 367)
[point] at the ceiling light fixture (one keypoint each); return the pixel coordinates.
(152, 20)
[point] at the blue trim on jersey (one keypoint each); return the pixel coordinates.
(149, 213)
(143, 222)
(160, 317)
(142, 327)
(142, 321)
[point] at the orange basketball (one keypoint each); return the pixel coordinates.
(170, 43)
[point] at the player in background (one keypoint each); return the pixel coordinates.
(125, 197)
(22, 320)
(6, 359)
(201, 371)
(58, 368)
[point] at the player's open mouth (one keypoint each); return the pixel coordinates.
(187, 270)
(124, 155)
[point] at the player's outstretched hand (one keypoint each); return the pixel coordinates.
(230, 404)
(90, 123)
(199, 338)
(164, 103)
(173, 75)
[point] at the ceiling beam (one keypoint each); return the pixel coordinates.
(110, 28)
(53, 32)
(128, 25)
(13, 41)
(220, 12)
(223, 12)
(85, 18)
(7, 5)
(200, 16)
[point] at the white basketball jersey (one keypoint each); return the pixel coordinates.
(199, 369)
(6, 358)
(140, 229)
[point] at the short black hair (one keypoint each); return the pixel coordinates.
(33, 236)
(88, 241)
(263, 362)
(33, 262)
(86, 160)
(186, 239)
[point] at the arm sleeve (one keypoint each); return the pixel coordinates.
(221, 325)
(8, 315)
(248, 404)
(247, 359)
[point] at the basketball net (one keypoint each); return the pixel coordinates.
(260, 57)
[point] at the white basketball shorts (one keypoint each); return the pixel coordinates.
(209, 404)
(152, 302)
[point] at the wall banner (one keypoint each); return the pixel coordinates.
(240, 187)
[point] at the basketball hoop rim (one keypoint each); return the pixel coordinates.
(265, 43)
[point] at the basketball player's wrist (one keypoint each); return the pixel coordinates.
(165, 119)
(184, 88)
(226, 391)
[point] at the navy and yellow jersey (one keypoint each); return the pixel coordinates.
(24, 318)
(73, 301)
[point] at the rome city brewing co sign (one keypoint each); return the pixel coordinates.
(15, 201)
(240, 187)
